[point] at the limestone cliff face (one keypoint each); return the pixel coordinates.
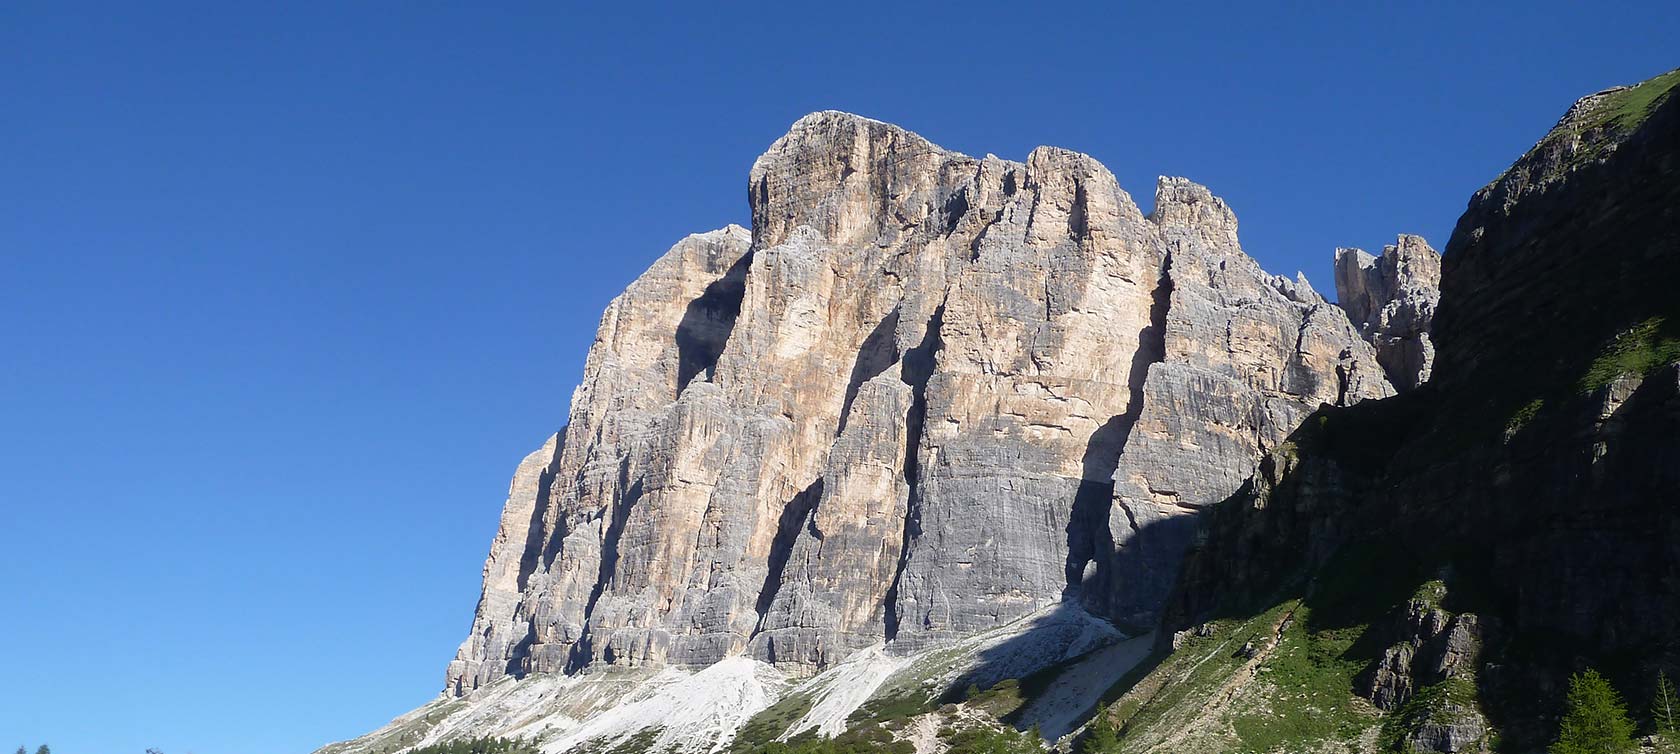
(1392, 298)
(1244, 356)
(926, 395)
(548, 554)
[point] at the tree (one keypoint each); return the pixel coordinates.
(1597, 721)
(22, 750)
(43, 750)
(1665, 710)
(1104, 739)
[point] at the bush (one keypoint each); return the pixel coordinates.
(989, 741)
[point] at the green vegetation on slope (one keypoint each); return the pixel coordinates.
(771, 722)
(829, 746)
(1193, 682)
(1638, 351)
(1283, 679)
(858, 739)
(1273, 683)
(1524, 416)
(478, 746)
(1617, 113)
(405, 733)
(909, 692)
(1627, 108)
(985, 740)
(1591, 133)
(1424, 707)
(1311, 675)
(1008, 698)
(873, 739)
(968, 719)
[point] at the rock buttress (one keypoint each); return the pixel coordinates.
(914, 404)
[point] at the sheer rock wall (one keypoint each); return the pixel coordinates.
(926, 395)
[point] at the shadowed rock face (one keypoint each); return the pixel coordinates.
(1535, 474)
(926, 395)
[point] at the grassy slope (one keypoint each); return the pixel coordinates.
(1278, 681)
(1615, 114)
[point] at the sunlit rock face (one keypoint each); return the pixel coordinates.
(925, 395)
(1392, 299)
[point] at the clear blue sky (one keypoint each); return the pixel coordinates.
(286, 293)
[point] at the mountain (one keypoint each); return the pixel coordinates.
(926, 399)
(1427, 571)
(1393, 298)
(944, 448)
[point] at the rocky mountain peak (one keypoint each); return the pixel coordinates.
(1560, 187)
(928, 397)
(1589, 134)
(1392, 299)
(1184, 206)
(847, 177)
(1025, 351)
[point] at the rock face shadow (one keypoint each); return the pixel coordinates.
(796, 515)
(916, 370)
(708, 321)
(1141, 571)
(582, 650)
(876, 355)
(1051, 651)
(1090, 540)
(1087, 530)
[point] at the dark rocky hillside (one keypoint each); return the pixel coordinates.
(1453, 554)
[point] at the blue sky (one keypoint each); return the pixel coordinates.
(287, 292)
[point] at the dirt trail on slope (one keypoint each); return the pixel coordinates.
(924, 734)
(1221, 699)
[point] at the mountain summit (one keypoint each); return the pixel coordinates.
(929, 403)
